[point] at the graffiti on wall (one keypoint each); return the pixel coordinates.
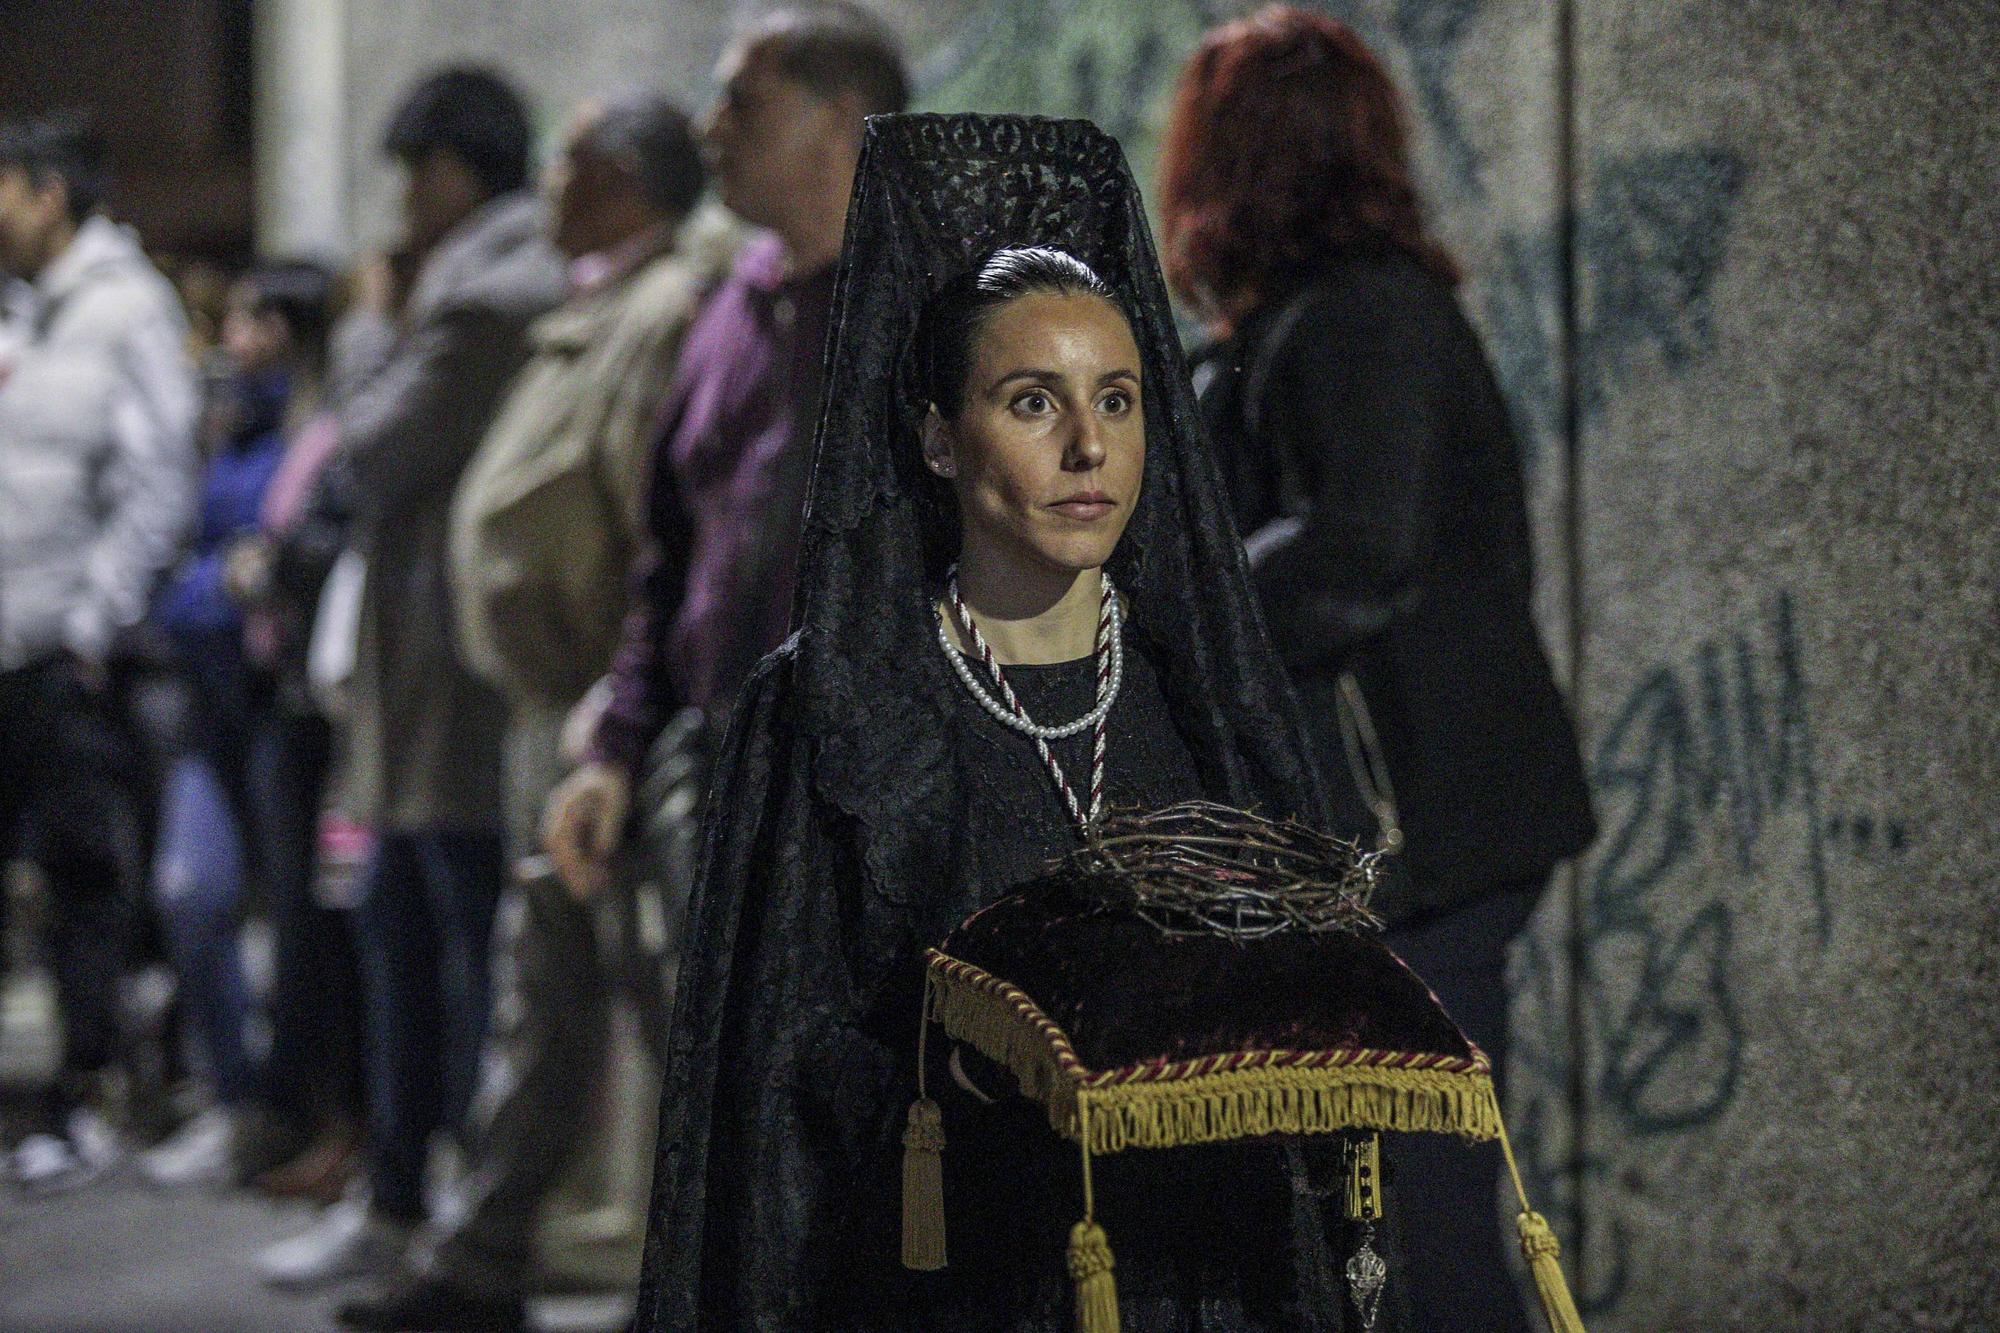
(1105, 60)
(1706, 779)
(1649, 231)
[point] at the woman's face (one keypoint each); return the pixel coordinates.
(1047, 453)
(255, 340)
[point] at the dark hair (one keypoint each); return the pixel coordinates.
(63, 147)
(300, 293)
(1285, 145)
(837, 48)
(470, 113)
(951, 320)
(654, 140)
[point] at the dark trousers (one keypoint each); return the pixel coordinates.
(425, 926)
(314, 1069)
(1455, 1266)
(570, 960)
(63, 807)
(562, 966)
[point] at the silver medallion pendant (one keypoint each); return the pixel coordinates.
(1367, 1274)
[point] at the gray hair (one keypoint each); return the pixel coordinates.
(652, 138)
(836, 47)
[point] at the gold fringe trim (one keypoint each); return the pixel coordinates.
(989, 1024)
(1212, 1108)
(1251, 1103)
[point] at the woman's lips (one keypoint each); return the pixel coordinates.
(1088, 508)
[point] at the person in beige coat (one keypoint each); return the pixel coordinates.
(417, 382)
(543, 527)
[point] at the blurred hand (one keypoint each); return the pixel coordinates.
(382, 282)
(375, 285)
(246, 571)
(584, 823)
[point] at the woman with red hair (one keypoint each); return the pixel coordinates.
(1376, 478)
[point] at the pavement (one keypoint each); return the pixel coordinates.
(119, 1256)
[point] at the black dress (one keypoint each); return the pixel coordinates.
(1210, 1238)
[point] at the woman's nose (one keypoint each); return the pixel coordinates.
(1085, 451)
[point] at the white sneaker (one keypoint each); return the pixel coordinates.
(198, 1153)
(86, 1148)
(348, 1241)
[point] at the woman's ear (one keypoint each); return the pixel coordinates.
(937, 441)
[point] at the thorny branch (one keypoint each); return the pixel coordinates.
(1198, 868)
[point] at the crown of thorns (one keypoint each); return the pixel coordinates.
(1198, 868)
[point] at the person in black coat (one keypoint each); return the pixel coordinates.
(1375, 475)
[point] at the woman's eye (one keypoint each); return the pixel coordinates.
(1117, 403)
(1034, 402)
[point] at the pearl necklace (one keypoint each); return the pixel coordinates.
(1007, 710)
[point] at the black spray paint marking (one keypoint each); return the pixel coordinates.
(1650, 242)
(1704, 755)
(1432, 31)
(1650, 232)
(1735, 746)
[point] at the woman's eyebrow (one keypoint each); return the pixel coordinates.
(1029, 373)
(1042, 376)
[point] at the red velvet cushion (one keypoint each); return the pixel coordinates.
(1127, 994)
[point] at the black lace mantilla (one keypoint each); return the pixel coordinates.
(933, 195)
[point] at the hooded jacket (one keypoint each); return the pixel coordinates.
(97, 465)
(419, 396)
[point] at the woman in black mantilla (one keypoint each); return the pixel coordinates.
(1036, 433)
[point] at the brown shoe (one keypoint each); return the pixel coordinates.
(321, 1172)
(265, 1141)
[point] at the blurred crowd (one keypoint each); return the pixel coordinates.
(364, 635)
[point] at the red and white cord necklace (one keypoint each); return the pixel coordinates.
(1007, 710)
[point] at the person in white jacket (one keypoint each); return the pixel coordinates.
(98, 402)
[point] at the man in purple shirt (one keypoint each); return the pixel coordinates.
(713, 593)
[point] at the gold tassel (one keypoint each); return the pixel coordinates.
(923, 1164)
(1540, 1245)
(1090, 1251)
(1090, 1269)
(923, 1188)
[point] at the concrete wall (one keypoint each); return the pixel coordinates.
(302, 137)
(1733, 261)
(556, 54)
(1790, 653)
(1754, 1030)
